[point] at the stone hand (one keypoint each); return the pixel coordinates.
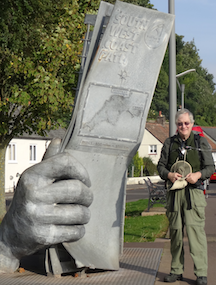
(50, 206)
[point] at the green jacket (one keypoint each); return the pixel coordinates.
(206, 167)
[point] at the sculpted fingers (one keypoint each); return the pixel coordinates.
(60, 166)
(53, 148)
(64, 192)
(50, 204)
(65, 166)
(52, 234)
(58, 214)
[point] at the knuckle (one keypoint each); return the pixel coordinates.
(84, 216)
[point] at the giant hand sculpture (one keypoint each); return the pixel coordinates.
(50, 206)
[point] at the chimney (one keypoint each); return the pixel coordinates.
(161, 118)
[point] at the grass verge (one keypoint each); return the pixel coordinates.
(143, 229)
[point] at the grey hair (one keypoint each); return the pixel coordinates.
(181, 112)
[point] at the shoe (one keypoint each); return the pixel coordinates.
(173, 277)
(201, 280)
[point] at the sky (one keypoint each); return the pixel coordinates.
(196, 20)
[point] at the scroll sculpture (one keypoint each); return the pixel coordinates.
(106, 130)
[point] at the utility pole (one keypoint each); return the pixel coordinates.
(172, 74)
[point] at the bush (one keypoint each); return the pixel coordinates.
(150, 168)
(137, 162)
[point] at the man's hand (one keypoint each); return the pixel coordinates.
(173, 176)
(192, 178)
(50, 206)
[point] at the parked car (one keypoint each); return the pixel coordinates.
(213, 176)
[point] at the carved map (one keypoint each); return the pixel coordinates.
(115, 113)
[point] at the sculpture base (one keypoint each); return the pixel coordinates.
(137, 266)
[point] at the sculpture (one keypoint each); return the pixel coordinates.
(109, 121)
(105, 132)
(50, 206)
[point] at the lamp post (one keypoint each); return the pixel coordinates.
(172, 72)
(182, 86)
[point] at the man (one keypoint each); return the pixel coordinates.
(186, 204)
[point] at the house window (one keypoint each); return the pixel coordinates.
(12, 152)
(153, 149)
(33, 152)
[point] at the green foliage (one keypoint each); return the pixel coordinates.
(152, 115)
(143, 3)
(150, 168)
(143, 229)
(200, 95)
(137, 162)
(40, 48)
(200, 120)
(134, 209)
(160, 100)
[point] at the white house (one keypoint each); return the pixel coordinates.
(27, 150)
(153, 139)
(24, 152)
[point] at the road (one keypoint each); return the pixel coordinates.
(136, 192)
(133, 193)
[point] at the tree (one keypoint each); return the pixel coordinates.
(199, 85)
(40, 48)
(143, 3)
(161, 99)
(150, 168)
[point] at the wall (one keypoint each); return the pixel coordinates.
(13, 169)
(140, 180)
(149, 139)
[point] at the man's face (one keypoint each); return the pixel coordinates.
(184, 126)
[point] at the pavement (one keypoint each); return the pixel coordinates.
(188, 275)
(164, 259)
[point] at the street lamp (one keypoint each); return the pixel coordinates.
(182, 86)
(172, 73)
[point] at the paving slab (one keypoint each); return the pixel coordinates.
(141, 262)
(137, 266)
(154, 211)
(188, 275)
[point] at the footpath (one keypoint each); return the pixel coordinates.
(210, 228)
(188, 276)
(143, 263)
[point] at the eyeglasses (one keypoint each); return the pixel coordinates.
(181, 124)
